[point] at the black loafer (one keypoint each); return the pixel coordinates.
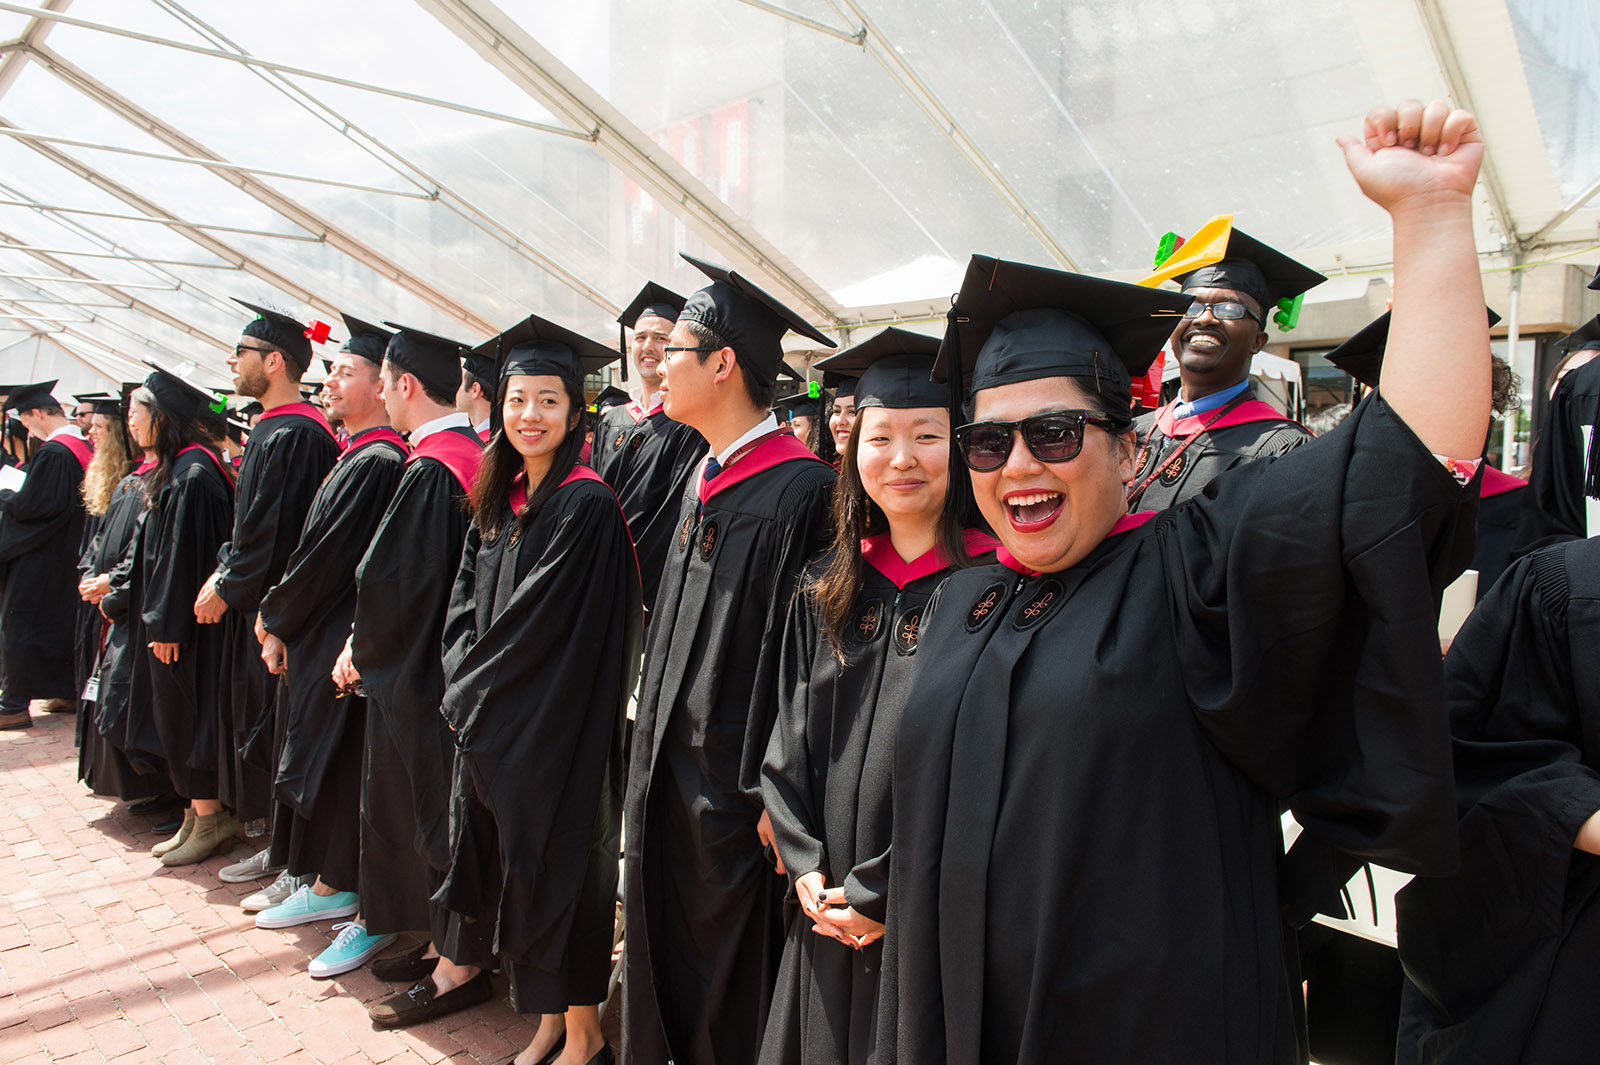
(424, 1003)
(407, 967)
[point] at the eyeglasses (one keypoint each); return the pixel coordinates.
(1222, 310)
(241, 350)
(670, 350)
(1055, 436)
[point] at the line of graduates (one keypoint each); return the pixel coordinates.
(941, 755)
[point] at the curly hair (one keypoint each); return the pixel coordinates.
(109, 466)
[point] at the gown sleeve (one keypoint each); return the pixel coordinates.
(114, 605)
(803, 516)
(245, 564)
(786, 774)
(1304, 601)
(1555, 510)
(193, 521)
(1519, 678)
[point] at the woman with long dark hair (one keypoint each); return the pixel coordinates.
(189, 494)
(541, 650)
(850, 638)
(113, 496)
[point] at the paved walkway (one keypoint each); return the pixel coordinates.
(107, 956)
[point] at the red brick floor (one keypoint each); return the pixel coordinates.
(107, 956)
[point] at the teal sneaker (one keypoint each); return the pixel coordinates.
(350, 949)
(306, 906)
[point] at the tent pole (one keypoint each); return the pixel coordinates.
(1508, 423)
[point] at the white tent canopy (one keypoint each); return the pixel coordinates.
(454, 164)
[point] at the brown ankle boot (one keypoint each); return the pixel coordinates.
(211, 832)
(176, 841)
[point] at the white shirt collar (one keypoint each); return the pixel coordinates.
(427, 429)
(67, 430)
(651, 402)
(767, 425)
(483, 426)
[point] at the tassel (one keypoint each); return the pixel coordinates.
(622, 345)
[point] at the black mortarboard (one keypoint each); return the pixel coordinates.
(253, 409)
(26, 397)
(434, 360)
(610, 396)
(843, 387)
(366, 340)
(177, 398)
(1595, 284)
(538, 346)
(1265, 274)
(750, 320)
(653, 301)
(890, 369)
(1013, 322)
(237, 428)
(1584, 338)
(283, 332)
(1362, 355)
(102, 403)
(800, 405)
(15, 429)
(481, 369)
(311, 390)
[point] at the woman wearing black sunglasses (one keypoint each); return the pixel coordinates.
(1102, 732)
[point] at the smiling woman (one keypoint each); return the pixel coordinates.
(1102, 731)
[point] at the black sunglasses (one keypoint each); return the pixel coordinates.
(1055, 436)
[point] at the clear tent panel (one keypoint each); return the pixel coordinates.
(1559, 42)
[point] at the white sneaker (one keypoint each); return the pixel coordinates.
(268, 897)
(254, 867)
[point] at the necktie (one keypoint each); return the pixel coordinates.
(712, 468)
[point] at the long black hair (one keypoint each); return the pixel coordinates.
(172, 435)
(491, 488)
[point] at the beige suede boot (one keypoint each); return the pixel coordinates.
(176, 841)
(211, 833)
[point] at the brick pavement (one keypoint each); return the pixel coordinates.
(107, 956)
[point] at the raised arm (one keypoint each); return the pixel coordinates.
(1420, 164)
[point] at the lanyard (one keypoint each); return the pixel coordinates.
(1138, 489)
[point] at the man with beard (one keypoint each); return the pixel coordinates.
(290, 451)
(1216, 423)
(305, 620)
(641, 452)
(39, 537)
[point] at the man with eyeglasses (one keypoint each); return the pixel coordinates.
(1215, 422)
(291, 449)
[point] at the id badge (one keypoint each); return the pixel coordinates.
(91, 688)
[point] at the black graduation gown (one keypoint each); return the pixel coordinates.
(826, 784)
(40, 536)
(647, 463)
(1500, 515)
(703, 908)
(104, 763)
(175, 550)
(1503, 952)
(310, 609)
(541, 653)
(1558, 508)
(1091, 763)
(1217, 450)
(403, 587)
(285, 460)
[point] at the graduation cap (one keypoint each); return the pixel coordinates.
(538, 346)
(1595, 284)
(481, 368)
(27, 397)
(653, 301)
(15, 429)
(434, 360)
(102, 403)
(311, 391)
(1013, 322)
(284, 333)
(237, 428)
(1362, 355)
(253, 409)
(179, 399)
(750, 320)
(890, 369)
(1225, 257)
(610, 396)
(366, 340)
(1584, 338)
(807, 404)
